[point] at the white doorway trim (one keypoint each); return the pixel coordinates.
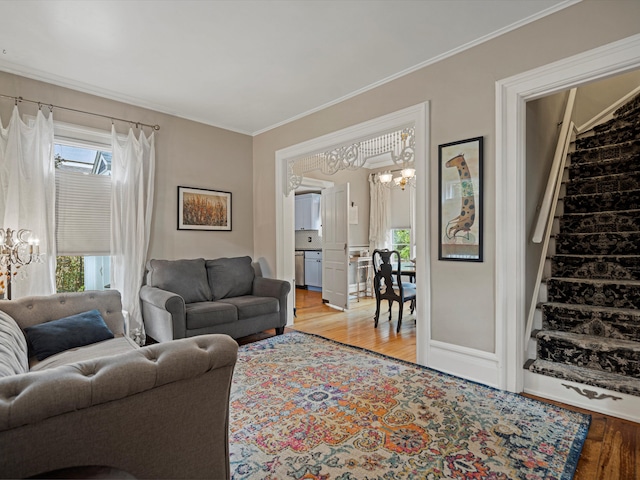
(511, 232)
(416, 115)
(313, 183)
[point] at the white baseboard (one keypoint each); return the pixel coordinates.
(621, 405)
(469, 363)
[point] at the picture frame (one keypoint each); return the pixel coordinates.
(460, 215)
(202, 209)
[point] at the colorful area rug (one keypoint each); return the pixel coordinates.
(304, 407)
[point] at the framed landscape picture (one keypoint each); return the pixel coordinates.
(200, 209)
(460, 200)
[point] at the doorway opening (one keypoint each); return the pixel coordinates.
(307, 241)
(512, 94)
(285, 239)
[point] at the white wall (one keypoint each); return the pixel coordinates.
(594, 97)
(461, 92)
(187, 154)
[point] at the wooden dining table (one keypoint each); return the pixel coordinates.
(408, 269)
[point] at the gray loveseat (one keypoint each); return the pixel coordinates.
(184, 298)
(155, 412)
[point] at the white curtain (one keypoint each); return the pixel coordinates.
(379, 214)
(27, 197)
(132, 173)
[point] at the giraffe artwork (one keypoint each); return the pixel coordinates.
(462, 223)
(460, 200)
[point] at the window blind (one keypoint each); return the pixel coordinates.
(83, 213)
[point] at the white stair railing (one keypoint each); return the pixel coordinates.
(555, 175)
(544, 224)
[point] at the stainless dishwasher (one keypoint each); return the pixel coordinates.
(300, 268)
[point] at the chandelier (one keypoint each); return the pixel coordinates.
(17, 249)
(407, 177)
(408, 173)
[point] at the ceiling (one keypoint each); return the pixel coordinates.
(243, 65)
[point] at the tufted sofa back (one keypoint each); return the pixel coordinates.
(14, 354)
(29, 311)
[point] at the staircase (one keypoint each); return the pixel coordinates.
(589, 331)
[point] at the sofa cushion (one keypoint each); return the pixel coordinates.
(249, 306)
(49, 338)
(115, 346)
(230, 277)
(207, 314)
(187, 278)
(14, 355)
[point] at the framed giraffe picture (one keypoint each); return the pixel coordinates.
(460, 200)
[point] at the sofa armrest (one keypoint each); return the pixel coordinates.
(272, 287)
(31, 397)
(104, 411)
(163, 313)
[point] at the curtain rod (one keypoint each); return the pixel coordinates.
(51, 107)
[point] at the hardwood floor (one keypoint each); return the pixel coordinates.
(355, 326)
(612, 448)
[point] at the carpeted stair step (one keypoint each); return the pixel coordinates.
(595, 353)
(630, 108)
(599, 293)
(618, 323)
(613, 267)
(618, 243)
(627, 163)
(610, 381)
(612, 125)
(609, 152)
(618, 182)
(602, 202)
(622, 221)
(615, 123)
(623, 134)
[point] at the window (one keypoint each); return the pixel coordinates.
(401, 241)
(83, 215)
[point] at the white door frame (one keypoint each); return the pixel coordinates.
(416, 115)
(511, 231)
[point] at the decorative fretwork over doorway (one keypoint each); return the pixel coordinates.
(398, 145)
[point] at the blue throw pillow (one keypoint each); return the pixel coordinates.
(49, 338)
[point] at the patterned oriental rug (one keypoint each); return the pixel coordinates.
(304, 407)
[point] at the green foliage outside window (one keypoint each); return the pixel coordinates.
(70, 274)
(401, 242)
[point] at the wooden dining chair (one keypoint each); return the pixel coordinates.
(388, 284)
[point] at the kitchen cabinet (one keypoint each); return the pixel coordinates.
(299, 257)
(313, 269)
(307, 211)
